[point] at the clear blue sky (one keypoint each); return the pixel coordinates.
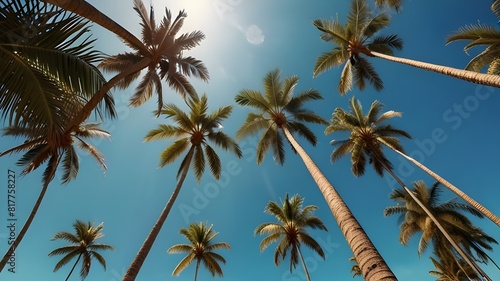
(244, 40)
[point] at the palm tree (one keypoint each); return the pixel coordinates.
(291, 229)
(39, 150)
(279, 112)
(481, 34)
(450, 270)
(159, 51)
(83, 246)
(415, 220)
(38, 43)
(201, 249)
(365, 143)
(193, 132)
(357, 38)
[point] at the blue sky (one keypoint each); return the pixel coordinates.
(452, 123)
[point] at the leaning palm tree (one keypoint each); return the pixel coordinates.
(293, 219)
(83, 246)
(160, 52)
(481, 34)
(193, 132)
(280, 112)
(365, 144)
(201, 249)
(416, 220)
(38, 150)
(357, 39)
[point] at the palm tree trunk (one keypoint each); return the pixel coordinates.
(86, 10)
(373, 266)
(452, 188)
(308, 278)
(73, 268)
(139, 259)
(467, 75)
(438, 225)
(196, 270)
(99, 95)
(25, 227)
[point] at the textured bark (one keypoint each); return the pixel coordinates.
(306, 272)
(86, 10)
(371, 263)
(453, 189)
(139, 259)
(467, 75)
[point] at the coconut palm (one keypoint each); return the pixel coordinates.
(193, 132)
(414, 220)
(481, 34)
(83, 245)
(280, 112)
(365, 143)
(159, 51)
(38, 44)
(201, 249)
(290, 231)
(39, 150)
(357, 39)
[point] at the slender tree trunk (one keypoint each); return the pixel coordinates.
(452, 188)
(467, 75)
(439, 226)
(99, 95)
(23, 231)
(86, 10)
(371, 263)
(73, 268)
(308, 278)
(139, 259)
(196, 270)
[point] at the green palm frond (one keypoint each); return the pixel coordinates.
(386, 44)
(364, 71)
(172, 152)
(164, 131)
(329, 60)
(253, 124)
(375, 24)
(346, 78)
(486, 57)
(213, 161)
(198, 163)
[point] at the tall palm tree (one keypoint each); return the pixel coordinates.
(280, 112)
(83, 245)
(365, 143)
(201, 249)
(291, 231)
(481, 34)
(39, 150)
(449, 214)
(159, 51)
(193, 132)
(357, 39)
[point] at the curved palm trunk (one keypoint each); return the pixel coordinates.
(371, 263)
(73, 268)
(467, 75)
(53, 163)
(308, 278)
(452, 188)
(99, 95)
(139, 259)
(438, 225)
(196, 270)
(86, 10)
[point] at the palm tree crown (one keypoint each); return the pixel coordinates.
(278, 108)
(356, 37)
(201, 249)
(83, 245)
(415, 220)
(291, 229)
(366, 135)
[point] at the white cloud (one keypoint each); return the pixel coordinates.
(254, 35)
